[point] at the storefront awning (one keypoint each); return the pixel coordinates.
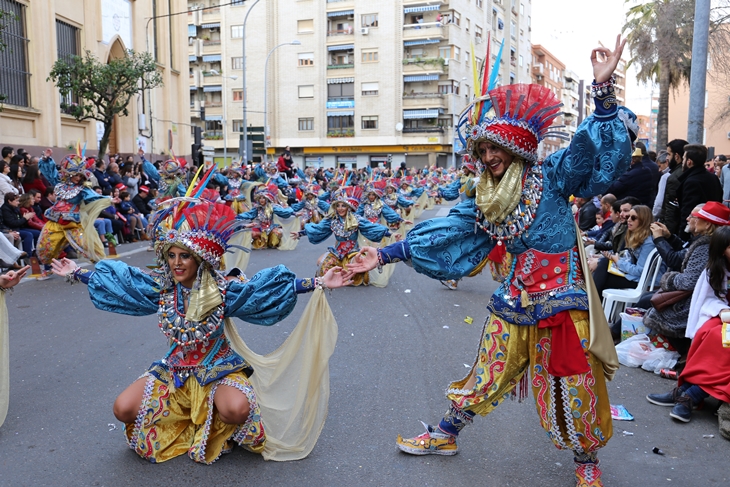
(421, 42)
(211, 58)
(421, 77)
(192, 59)
(335, 81)
(414, 114)
(212, 88)
(212, 25)
(342, 47)
(340, 13)
(424, 8)
(193, 88)
(348, 113)
(213, 118)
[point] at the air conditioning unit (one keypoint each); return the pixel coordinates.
(364, 30)
(446, 62)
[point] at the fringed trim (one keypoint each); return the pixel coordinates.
(239, 436)
(197, 452)
(144, 405)
(568, 414)
(523, 388)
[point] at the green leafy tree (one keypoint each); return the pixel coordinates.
(104, 90)
(659, 36)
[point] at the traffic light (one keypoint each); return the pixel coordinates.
(202, 114)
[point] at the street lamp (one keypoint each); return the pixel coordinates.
(244, 149)
(295, 42)
(225, 116)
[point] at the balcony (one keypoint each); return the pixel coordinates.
(213, 135)
(426, 30)
(212, 79)
(341, 66)
(424, 130)
(341, 132)
(211, 47)
(424, 100)
(424, 65)
(407, 3)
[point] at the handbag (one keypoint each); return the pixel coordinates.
(662, 300)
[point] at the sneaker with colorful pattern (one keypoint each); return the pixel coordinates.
(587, 474)
(432, 442)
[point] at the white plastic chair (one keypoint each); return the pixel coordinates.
(616, 300)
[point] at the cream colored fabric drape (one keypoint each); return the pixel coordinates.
(4, 360)
(378, 279)
(422, 201)
(292, 383)
(239, 258)
(287, 227)
(601, 343)
(92, 243)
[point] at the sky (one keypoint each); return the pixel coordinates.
(570, 29)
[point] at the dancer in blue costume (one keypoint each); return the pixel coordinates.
(346, 227)
(199, 398)
(539, 322)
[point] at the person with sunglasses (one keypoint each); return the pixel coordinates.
(630, 263)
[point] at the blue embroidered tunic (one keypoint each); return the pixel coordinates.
(67, 207)
(346, 240)
(265, 299)
(451, 247)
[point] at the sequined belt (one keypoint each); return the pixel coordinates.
(536, 272)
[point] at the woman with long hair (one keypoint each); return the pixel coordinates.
(33, 180)
(16, 177)
(707, 372)
(630, 263)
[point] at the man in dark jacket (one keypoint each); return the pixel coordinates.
(637, 182)
(140, 201)
(669, 214)
(696, 184)
(586, 213)
(652, 167)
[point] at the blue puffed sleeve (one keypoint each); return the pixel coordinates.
(599, 153)
(298, 206)
(449, 248)
(88, 195)
(282, 212)
(248, 215)
(267, 298)
(390, 215)
(150, 170)
(48, 169)
(360, 210)
(220, 179)
(404, 202)
(318, 232)
(120, 288)
(324, 196)
(372, 231)
(301, 175)
(259, 172)
(417, 192)
(323, 206)
(450, 192)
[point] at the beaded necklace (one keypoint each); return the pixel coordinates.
(178, 329)
(67, 191)
(522, 217)
(338, 228)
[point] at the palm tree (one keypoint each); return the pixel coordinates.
(660, 42)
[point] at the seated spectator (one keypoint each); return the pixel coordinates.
(638, 182)
(33, 180)
(25, 206)
(48, 199)
(16, 175)
(140, 201)
(135, 220)
(17, 221)
(672, 321)
(6, 184)
(630, 263)
(707, 372)
(587, 211)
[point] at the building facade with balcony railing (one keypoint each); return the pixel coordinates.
(371, 78)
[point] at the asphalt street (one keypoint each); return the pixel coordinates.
(397, 350)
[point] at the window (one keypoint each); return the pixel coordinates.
(306, 91)
(213, 129)
(306, 124)
(238, 125)
(370, 122)
(369, 20)
(14, 73)
(340, 91)
(306, 59)
(340, 124)
(480, 3)
(457, 18)
(370, 89)
(522, 9)
(237, 62)
(237, 3)
(445, 52)
(67, 40)
(468, 25)
(237, 95)
(478, 32)
(236, 31)
(513, 29)
(449, 87)
(369, 55)
(305, 26)
(520, 60)
(457, 53)
(466, 59)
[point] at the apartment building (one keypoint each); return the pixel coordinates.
(38, 33)
(350, 83)
(548, 71)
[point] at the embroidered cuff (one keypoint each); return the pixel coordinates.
(305, 285)
(396, 252)
(605, 97)
(82, 275)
